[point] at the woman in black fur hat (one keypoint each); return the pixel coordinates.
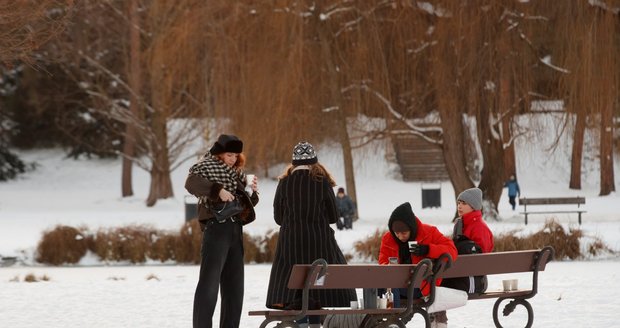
(218, 180)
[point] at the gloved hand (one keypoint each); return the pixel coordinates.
(418, 249)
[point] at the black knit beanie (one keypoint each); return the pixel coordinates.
(403, 214)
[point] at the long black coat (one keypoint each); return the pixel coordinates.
(304, 208)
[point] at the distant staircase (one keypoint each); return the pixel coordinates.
(419, 160)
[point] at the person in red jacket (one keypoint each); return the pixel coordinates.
(404, 226)
(471, 236)
(469, 207)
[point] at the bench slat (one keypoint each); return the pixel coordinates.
(552, 201)
(493, 263)
(545, 212)
(496, 294)
(356, 276)
(328, 312)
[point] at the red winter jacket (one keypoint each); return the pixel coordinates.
(477, 230)
(426, 235)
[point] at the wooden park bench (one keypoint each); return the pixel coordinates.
(320, 275)
(552, 201)
(501, 263)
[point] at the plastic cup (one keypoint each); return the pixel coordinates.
(514, 284)
(382, 303)
(507, 284)
(249, 179)
(354, 305)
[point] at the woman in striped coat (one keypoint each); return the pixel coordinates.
(304, 207)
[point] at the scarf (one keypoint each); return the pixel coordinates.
(214, 170)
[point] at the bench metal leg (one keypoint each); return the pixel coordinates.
(511, 307)
(525, 218)
(281, 324)
(579, 218)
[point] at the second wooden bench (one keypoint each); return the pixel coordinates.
(532, 261)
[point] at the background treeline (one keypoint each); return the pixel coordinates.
(117, 74)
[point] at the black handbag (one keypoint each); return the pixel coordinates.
(225, 210)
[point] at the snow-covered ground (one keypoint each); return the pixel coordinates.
(87, 193)
(571, 294)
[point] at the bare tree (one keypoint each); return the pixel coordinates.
(590, 89)
(135, 83)
(26, 25)
(158, 116)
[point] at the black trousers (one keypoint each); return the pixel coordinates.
(511, 200)
(221, 266)
(470, 285)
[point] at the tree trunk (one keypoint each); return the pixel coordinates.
(135, 85)
(326, 40)
(161, 183)
(606, 149)
(453, 137)
(577, 152)
(510, 166)
(492, 156)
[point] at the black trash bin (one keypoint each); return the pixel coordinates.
(431, 196)
(191, 207)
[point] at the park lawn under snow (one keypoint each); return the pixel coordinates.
(95, 294)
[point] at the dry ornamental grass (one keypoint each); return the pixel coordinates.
(137, 244)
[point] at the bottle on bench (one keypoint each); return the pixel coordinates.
(390, 298)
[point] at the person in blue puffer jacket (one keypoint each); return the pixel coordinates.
(513, 191)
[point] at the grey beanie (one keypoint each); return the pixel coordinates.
(473, 197)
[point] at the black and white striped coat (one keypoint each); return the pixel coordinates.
(304, 208)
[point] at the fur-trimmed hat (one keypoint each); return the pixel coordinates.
(227, 143)
(473, 197)
(303, 154)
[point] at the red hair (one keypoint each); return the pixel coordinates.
(239, 164)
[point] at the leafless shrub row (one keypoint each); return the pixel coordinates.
(139, 243)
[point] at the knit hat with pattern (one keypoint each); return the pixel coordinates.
(303, 154)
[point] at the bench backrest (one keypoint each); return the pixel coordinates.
(357, 276)
(552, 201)
(498, 263)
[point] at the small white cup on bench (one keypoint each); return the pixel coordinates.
(507, 284)
(510, 284)
(354, 305)
(514, 284)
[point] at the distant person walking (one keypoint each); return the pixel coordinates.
(304, 206)
(513, 191)
(217, 180)
(346, 210)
